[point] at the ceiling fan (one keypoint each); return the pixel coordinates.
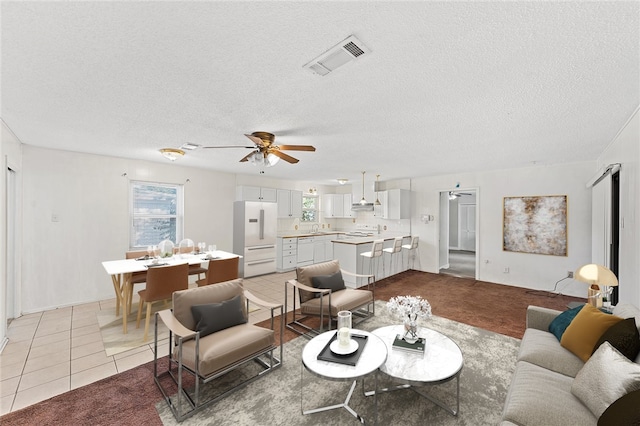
(454, 195)
(264, 152)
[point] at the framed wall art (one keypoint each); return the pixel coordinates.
(535, 225)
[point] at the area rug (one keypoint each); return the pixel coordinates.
(116, 342)
(277, 398)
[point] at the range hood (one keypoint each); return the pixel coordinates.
(366, 207)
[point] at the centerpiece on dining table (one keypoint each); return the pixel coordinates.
(408, 309)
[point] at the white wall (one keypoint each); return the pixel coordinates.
(10, 152)
(625, 149)
(525, 270)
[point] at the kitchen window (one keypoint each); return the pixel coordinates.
(310, 208)
(156, 212)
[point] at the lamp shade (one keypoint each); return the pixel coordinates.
(596, 274)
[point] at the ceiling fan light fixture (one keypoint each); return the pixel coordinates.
(452, 196)
(271, 160)
(172, 153)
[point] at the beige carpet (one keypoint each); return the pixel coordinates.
(116, 342)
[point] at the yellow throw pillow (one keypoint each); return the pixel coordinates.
(585, 330)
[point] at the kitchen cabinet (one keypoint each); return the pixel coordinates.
(398, 204)
(382, 210)
(394, 204)
(336, 205)
(333, 205)
(287, 254)
(256, 193)
(289, 203)
(323, 248)
(347, 201)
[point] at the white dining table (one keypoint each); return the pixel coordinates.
(120, 271)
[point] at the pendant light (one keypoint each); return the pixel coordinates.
(376, 188)
(363, 201)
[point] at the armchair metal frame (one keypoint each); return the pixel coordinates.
(358, 312)
(178, 334)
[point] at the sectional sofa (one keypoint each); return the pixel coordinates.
(554, 386)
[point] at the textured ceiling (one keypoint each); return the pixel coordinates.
(448, 86)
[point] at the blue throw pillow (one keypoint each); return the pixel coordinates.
(562, 321)
(214, 317)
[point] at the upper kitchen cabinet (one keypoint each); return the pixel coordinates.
(289, 203)
(336, 205)
(332, 205)
(256, 193)
(395, 204)
(347, 201)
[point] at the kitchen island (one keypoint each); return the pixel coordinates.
(347, 250)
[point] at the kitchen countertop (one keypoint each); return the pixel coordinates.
(368, 239)
(294, 234)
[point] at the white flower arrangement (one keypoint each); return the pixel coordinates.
(409, 307)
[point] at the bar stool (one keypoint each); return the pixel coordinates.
(395, 249)
(374, 254)
(412, 250)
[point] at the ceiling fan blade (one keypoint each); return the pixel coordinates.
(296, 148)
(246, 157)
(230, 146)
(255, 140)
(284, 156)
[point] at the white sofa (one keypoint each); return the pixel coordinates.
(540, 391)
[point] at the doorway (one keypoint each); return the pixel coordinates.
(458, 233)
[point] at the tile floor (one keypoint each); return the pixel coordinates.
(55, 351)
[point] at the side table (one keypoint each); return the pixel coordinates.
(441, 362)
(373, 356)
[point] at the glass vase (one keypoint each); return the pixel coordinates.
(411, 330)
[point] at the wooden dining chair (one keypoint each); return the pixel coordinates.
(219, 271)
(162, 281)
(195, 269)
(136, 277)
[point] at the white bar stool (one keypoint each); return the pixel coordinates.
(412, 250)
(395, 249)
(374, 254)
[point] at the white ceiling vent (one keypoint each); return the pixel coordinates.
(347, 50)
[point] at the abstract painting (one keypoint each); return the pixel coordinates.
(535, 225)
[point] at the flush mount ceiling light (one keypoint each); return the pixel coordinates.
(342, 181)
(347, 50)
(172, 153)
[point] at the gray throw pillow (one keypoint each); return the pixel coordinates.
(334, 282)
(213, 317)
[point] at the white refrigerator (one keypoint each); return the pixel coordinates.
(255, 226)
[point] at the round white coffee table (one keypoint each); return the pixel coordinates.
(373, 356)
(441, 362)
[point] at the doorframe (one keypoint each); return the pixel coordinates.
(442, 196)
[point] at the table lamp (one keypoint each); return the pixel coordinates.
(599, 278)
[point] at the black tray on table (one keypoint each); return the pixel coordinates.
(350, 359)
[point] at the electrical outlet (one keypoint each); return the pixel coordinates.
(569, 274)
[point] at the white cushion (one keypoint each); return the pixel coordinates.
(606, 376)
